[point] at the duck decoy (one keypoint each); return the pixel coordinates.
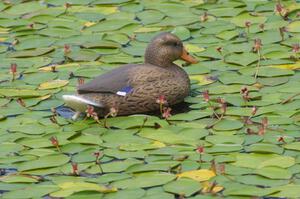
(135, 88)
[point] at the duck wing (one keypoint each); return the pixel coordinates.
(110, 82)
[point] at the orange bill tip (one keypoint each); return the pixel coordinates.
(187, 57)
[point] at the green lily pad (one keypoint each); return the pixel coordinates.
(182, 32)
(267, 72)
(274, 173)
(294, 27)
(280, 161)
(246, 190)
(145, 180)
(293, 146)
(260, 180)
(233, 78)
(31, 191)
(24, 93)
(264, 148)
(30, 53)
(150, 16)
(155, 166)
(221, 139)
(166, 136)
(44, 162)
(190, 116)
(244, 17)
(19, 178)
(291, 190)
(183, 186)
(243, 59)
(227, 125)
(68, 188)
(126, 194)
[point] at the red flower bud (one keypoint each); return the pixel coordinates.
(204, 17)
(67, 5)
(97, 154)
(261, 131)
(213, 166)
(278, 8)
(75, 168)
(247, 120)
(113, 111)
(245, 93)
(250, 131)
(244, 90)
(13, 68)
(206, 95)
(15, 42)
(161, 100)
(283, 29)
(21, 102)
(223, 104)
(247, 24)
(67, 49)
(53, 110)
(257, 45)
(222, 169)
(90, 112)
(166, 112)
(281, 139)
(200, 149)
(31, 25)
(53, 119)
(219, 49)
(53, 69)
(54, 141)
(80, 81)
(262, 26)
(296, 48)
(283, 12)
(264, 122)
(254, 110)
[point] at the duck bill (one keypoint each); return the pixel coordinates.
(187, 57)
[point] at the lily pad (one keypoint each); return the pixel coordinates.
(182, 186)
(243, 59)
(53, 84)
(226, 125)
(68, 188)
(145, 180)
(274, 173)
(31, 191)
(44, 162)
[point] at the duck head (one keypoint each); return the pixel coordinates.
(164, 49)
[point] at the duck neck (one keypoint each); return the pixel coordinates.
(155, 57)
(161, 63)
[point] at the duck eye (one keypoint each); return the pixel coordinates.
(176, 44)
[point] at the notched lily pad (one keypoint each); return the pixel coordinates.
(243, 59)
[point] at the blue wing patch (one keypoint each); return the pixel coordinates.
(124, 91)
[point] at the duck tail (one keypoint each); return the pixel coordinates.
(79, 103)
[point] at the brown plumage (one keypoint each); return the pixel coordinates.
(145, 83)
